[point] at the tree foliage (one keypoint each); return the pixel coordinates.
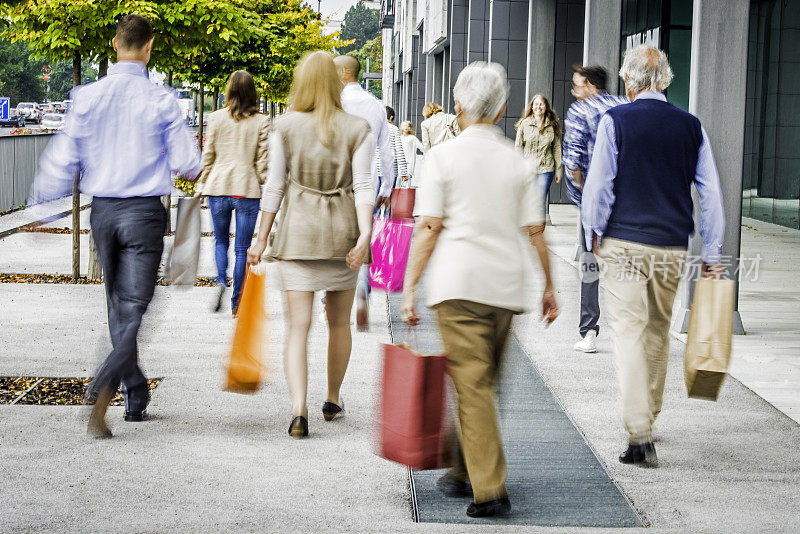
(20, 74)
(360, 24)
(61, 78)
(372, 50)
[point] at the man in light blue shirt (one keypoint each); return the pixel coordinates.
(124, 135)
(637, 216)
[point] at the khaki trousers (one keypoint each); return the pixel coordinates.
(474, 337)
(640, 283)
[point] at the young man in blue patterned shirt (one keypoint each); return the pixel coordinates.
(583, 117)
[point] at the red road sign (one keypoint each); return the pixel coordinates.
(46, 70)
(46, 78)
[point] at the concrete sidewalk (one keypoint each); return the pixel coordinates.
(211, 460)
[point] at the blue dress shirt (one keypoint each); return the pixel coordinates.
(598, 191)
(124, 134)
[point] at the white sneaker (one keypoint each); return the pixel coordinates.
(587, 344)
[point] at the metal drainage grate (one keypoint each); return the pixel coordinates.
(51, 391)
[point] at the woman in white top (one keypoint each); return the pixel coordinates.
(320, 178)
(478, 193)
(412, 149)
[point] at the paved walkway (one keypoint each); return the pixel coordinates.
(211, 460)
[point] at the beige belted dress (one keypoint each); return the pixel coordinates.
(318, 223)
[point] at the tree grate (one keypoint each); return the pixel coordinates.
(30, 278)
(51, 391)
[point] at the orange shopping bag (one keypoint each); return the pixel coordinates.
(246, 363)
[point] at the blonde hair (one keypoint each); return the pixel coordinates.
(430, 109)
(316, 89)
(407, 128)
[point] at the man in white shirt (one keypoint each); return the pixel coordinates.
(357, 101)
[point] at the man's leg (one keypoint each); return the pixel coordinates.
(625, 282)
(590, 299)
(666, 272)
(362, 298)
(468, 332)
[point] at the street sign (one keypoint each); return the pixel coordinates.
(5, 108)
(47, 77)
(46, 70)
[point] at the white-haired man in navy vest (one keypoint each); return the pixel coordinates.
(637, 213)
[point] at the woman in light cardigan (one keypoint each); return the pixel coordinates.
(234, 168)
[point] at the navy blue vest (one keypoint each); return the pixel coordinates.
(658, 146)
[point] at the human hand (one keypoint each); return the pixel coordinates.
(255, 251)
(549, 306)
(358, 254)
(386, 202)
(711, 270)
(408, 314)
(558, 178)
(595, 248)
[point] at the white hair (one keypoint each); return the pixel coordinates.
(481, 90)
(647, 68)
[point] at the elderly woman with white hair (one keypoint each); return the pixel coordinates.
(478, 194)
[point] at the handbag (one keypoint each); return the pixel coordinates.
(413, 429)
(184, 256)
(390, 244)
(708, 343)
(402, 203)
(246, 361)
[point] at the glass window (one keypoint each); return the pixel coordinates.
(680, 12)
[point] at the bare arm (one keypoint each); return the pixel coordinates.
(549, 305)
(425, 237)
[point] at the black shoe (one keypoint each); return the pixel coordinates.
(220, 293)
(642, 454)
(136, 417)
(331, 410)
(452, 487)
(496, 507)
(299, 427)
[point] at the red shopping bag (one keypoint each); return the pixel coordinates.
(412, 409)
(391, 241)
(402, 203)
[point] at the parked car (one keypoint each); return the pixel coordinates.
(59, 107)
(53, 121)
(67, 105)
(30, 110)
(15, 118)
(47, 108)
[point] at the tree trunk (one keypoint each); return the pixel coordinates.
(202, 105)
(76, 196)
(102, 70)
(215, 106)
(169, 78)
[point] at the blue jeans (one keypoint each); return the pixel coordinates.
(246, 215)
(545, 180)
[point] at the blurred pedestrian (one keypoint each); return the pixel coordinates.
(539, 138)
(125, 135)
(361, 103)
(412, 148)
(477, 195)
(234, 168)
(320, 170)
(438, 126)
(400, 163)
(638, 201)
(589, 87)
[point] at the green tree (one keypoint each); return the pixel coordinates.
(373, 51)
(360, 24)
(61, 78)
(20, 74)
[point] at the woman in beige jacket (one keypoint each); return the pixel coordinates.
(234, 168)
(320, 178)
(539, 138)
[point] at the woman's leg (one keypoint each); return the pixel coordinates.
(338, 305)
(246, 216)
(221, 216)
(545, 180)
(298, 306)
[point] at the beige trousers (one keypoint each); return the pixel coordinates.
(474, 337)
(640, 283)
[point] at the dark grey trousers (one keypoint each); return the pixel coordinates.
(590, 288)
(129, 234)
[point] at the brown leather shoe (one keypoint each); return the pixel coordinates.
(97, 427)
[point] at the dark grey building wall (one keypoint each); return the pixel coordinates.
(478, 30)
(459, 17)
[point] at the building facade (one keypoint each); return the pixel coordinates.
(736, 64)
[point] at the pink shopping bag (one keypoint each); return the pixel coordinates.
(391, 240)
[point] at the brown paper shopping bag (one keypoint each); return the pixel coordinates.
(246, 363)
(708, 347)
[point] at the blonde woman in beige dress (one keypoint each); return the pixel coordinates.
(320, 178)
